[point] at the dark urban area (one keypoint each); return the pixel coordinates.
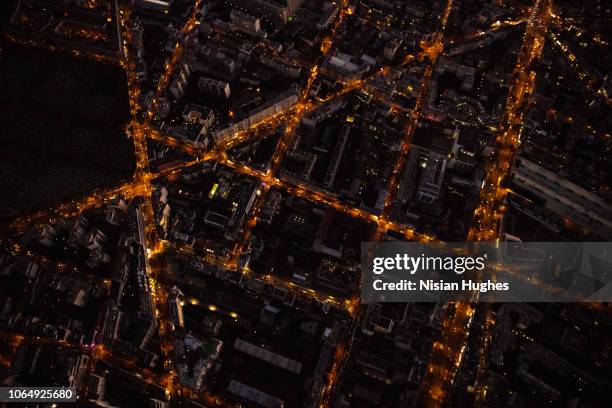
(185, 186)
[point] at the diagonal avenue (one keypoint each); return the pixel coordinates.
(447, 353)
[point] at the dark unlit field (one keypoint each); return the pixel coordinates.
(62, 122)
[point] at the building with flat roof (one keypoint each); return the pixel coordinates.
(268, 356)
(214, 87)
(253, 394)
(432, 177)
(276, 106)
(560, 196)
(156, 5)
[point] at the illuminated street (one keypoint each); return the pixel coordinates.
(447, 355)
(269, 140)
